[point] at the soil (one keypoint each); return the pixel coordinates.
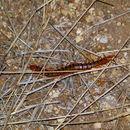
(52, 35)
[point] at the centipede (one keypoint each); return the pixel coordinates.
(72, 67)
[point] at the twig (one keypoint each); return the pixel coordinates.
(105, 21)
(43, 51)
(79, 49)
(97, 100)
(75, 123)
(90, 86)
(70, 30)
(33, 106)
(112, 51)
(24, 27)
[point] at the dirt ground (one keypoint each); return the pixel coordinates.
(52, 34)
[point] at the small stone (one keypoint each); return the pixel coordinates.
(64, 11)
(78, 31)
(105, 29)
(125, 54)
(123, 61)
(77, 1)
(56, 110)
(97, 125)
(123, 24)
(108, 11)
(78, 39)
(101, 13)
(49, 108)
(102, 39)
(49, 128)
(60, 120)
(105, 105)
(119, 24)
(90, 18)
(91, 10)
(128, 109)
(119, 41)
(80, 102)
(54, 94)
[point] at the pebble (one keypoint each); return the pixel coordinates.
(91, 10)
(78, 31)
(119, 24)
(54, 94)
(49, 108)
(97, 125)
(128, 109)
(50, 128)
(119, 41)
(102, 39)
(60, 120)
(78, 39)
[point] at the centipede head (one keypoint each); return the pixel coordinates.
(104, 60)
(35, 68)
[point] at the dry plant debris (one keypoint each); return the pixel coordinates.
(54, 33)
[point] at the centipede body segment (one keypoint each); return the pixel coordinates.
(73, 66)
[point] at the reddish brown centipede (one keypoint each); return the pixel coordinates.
(35, 68)
(73, 66)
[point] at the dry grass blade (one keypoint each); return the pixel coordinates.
(91, 86)
(95, 100)
(70, 30)
(12, 44)
(80, 50)
(108, 20)
(14, 41)
(125, 114)
(64, 64)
